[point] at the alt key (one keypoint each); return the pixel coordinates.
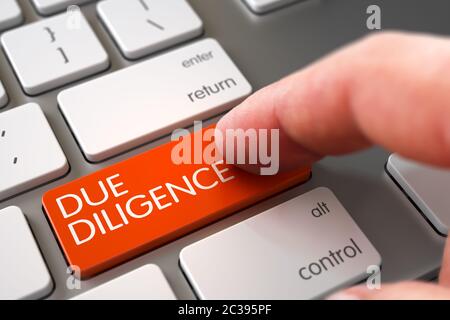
(305, 248)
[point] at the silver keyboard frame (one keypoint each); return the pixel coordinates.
(265, 48)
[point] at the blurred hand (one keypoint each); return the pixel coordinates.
(390, 89)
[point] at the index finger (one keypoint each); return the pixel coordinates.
(391, 89)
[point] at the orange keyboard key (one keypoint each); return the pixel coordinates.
(127, 209)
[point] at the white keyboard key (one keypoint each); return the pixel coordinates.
(10, 14)
(263, 6)
(144, 283)
(30, 155)
(47, 7)
(24, 274)
(3, 96)
(51, 53)
(155, 24)
(305, 248)
(426, 186)
(135, 105)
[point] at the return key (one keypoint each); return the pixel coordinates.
(133, 106)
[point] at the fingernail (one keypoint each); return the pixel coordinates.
(343, 296)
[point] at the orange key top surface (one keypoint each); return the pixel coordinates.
(119, 212)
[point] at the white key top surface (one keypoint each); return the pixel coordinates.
(10, 14)
(263, 6)
(47, 7)
(144, 283)
(426, 186)
(51, 53)
(24, 274)
(135, 105)
(141, 27)
(302, 249)
(30, 155)
(3, 96)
